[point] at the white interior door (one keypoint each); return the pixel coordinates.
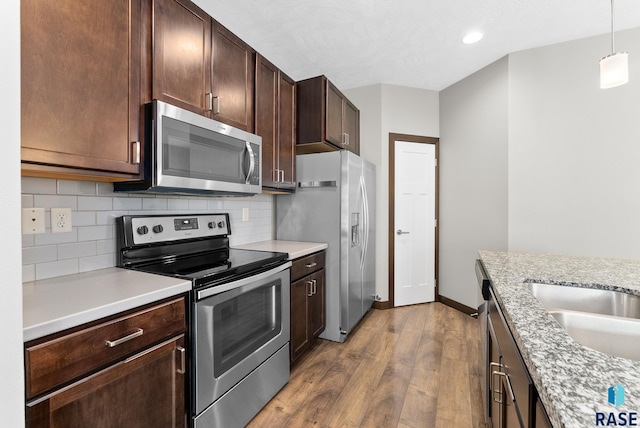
(414, 228)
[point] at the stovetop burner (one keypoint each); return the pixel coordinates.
(193, 247)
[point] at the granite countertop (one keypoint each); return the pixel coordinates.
(56, 304)
(295, 249)
(572, 380)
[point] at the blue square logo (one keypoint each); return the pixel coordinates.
(616, 395)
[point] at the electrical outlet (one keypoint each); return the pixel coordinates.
(60, 220)
(32, 221)
(245, 214)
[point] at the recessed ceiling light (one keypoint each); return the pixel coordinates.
(472, 38)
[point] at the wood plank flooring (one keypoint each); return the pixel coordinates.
(409, 367)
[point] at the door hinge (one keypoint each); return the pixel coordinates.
(435, 222)
(435, 162)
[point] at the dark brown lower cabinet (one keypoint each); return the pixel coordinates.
(308, 314)
(128, 370)
(145, 390)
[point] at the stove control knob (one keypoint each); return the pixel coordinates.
(221, 224)
(212, 225)
(143, 230)
(158, 228)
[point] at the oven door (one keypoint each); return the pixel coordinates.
(238, 326)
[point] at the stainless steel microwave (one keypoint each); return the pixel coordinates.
(186, 153)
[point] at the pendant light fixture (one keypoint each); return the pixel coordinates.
(614, 68)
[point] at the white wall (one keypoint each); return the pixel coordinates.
(388, 109)
(473, 177)
(11, 375)
(574, 151)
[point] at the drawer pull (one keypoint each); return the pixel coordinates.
(310, 265)
(133, 335)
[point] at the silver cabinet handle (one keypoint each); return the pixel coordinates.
(310, 288)
(183, 365)
(133, 335)
(275, 174)
(315, 286)
(401, 232)
(217, 110)
(310, 265)
(345, 138)
(209, 96)
(135, 152)
(282, 171)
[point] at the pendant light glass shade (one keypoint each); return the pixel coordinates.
(614, 70)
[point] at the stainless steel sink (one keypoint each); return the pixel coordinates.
(612, 335)
(606, 302)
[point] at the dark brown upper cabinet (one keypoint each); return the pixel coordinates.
(327, 120)
(181, 71)
(275, 122)
(80, 86)
(233, 79)
(200, 65)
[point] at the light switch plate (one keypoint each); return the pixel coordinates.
(32, 221)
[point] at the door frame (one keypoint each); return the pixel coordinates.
(392, 205)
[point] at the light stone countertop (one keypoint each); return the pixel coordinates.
(572, 380)
(295, 249)
(56, 304)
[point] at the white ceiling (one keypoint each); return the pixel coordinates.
(414, 43)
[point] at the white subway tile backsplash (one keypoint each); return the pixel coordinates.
(34, 185)
(59, 268)
(128, 204)
(77, 249)
(92, 245)
(108, 217)
(96, 262)
(34, 255)
(56, 238)
(94, 233)
(55, 201)
(95, 203)
(177, 204)
(83, 218)
(70, 187)
(154, 204)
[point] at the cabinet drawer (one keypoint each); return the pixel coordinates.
(306, 265)
(57, 361)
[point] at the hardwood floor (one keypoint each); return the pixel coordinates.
(414, 366)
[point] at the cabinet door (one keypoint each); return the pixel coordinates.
(233, 79)
(317, 320)
(181, 55)
(145, 390)
(80, 77)
(352, 127)
(333, 124)
(267, 118)
(542, 419)
(299, 317)
(287, 132)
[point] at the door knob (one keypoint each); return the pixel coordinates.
(400, 232)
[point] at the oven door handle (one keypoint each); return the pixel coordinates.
(241, 282)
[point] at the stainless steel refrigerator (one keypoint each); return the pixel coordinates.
(335, 203)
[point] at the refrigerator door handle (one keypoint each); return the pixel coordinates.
(365, 221)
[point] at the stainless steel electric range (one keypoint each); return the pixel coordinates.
(239, 310)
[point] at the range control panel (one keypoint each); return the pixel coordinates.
(166, 228)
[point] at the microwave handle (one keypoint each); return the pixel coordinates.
(252, 162)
